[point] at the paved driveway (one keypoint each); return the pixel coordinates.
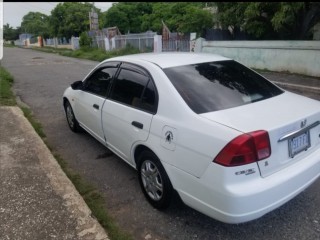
(40, 80)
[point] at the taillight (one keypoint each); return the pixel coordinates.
(244, 149)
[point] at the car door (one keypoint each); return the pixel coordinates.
(128, 111)
(91, 98)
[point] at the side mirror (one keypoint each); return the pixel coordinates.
(77, 85)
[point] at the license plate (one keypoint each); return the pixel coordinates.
(299, 144)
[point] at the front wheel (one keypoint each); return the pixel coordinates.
(72, 121)
(154, 180)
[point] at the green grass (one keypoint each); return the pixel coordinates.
(90, 194)
(35, 124)
(95, 54)
(95, 201)
(7, 97)
(8, 45)
(53, 50)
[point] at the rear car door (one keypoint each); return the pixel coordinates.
(90, 100)
(128, 111)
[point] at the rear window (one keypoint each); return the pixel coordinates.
(213, 86)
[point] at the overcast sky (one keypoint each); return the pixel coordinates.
(13, 12)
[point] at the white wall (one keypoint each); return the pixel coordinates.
(302, 57)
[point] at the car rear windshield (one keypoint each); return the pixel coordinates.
(213, 86)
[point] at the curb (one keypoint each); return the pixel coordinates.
(87, 227)
(298, 87)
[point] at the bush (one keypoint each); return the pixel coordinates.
(85, 40)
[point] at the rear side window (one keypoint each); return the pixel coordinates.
(135, 89)
(148, 100)
(213, 86)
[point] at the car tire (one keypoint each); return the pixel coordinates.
(154, 181)
(71, 119)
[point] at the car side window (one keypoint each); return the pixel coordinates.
(99, 81)
(148, 101)
(135, 89)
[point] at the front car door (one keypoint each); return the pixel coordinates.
(90, 100)
(128, 111)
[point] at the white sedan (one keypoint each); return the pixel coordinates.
(232, 144)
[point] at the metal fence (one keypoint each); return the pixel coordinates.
(49, 41)
(64, 41)
(18, 43)
(33, 40)
(143, 41)
(57, 41)
(175, 45)
(75, 42)
(72, 43)
(99, 41)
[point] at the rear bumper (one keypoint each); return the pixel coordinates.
(235, 198)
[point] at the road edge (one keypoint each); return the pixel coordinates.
(62, 185)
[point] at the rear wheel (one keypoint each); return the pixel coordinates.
(72, 121)
(154, 180)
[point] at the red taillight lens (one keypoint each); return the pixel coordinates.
(244, 149)
(262, 144)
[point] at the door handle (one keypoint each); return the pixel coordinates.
(137, 124)
(96, 106)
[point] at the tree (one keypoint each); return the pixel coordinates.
(153, 21)
(231, 16)
(35, 23)
(115, 17)
(296, 20)
(71, 19)
(127, 16)
(270, 20)
(257, 20)
(140, 17)
(195, 19)
(9, 33)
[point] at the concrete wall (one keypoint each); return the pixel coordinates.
(316, 32)
(302, 57)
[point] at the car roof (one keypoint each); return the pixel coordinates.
(166, 60)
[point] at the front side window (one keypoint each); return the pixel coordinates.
(212, 86)
(135, 89)
(99, 81)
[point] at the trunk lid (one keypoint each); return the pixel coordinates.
(287, 118)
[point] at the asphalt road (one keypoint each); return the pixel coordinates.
(40, 80)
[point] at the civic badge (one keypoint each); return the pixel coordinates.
(303, 123)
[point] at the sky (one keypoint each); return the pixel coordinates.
(13, 12)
